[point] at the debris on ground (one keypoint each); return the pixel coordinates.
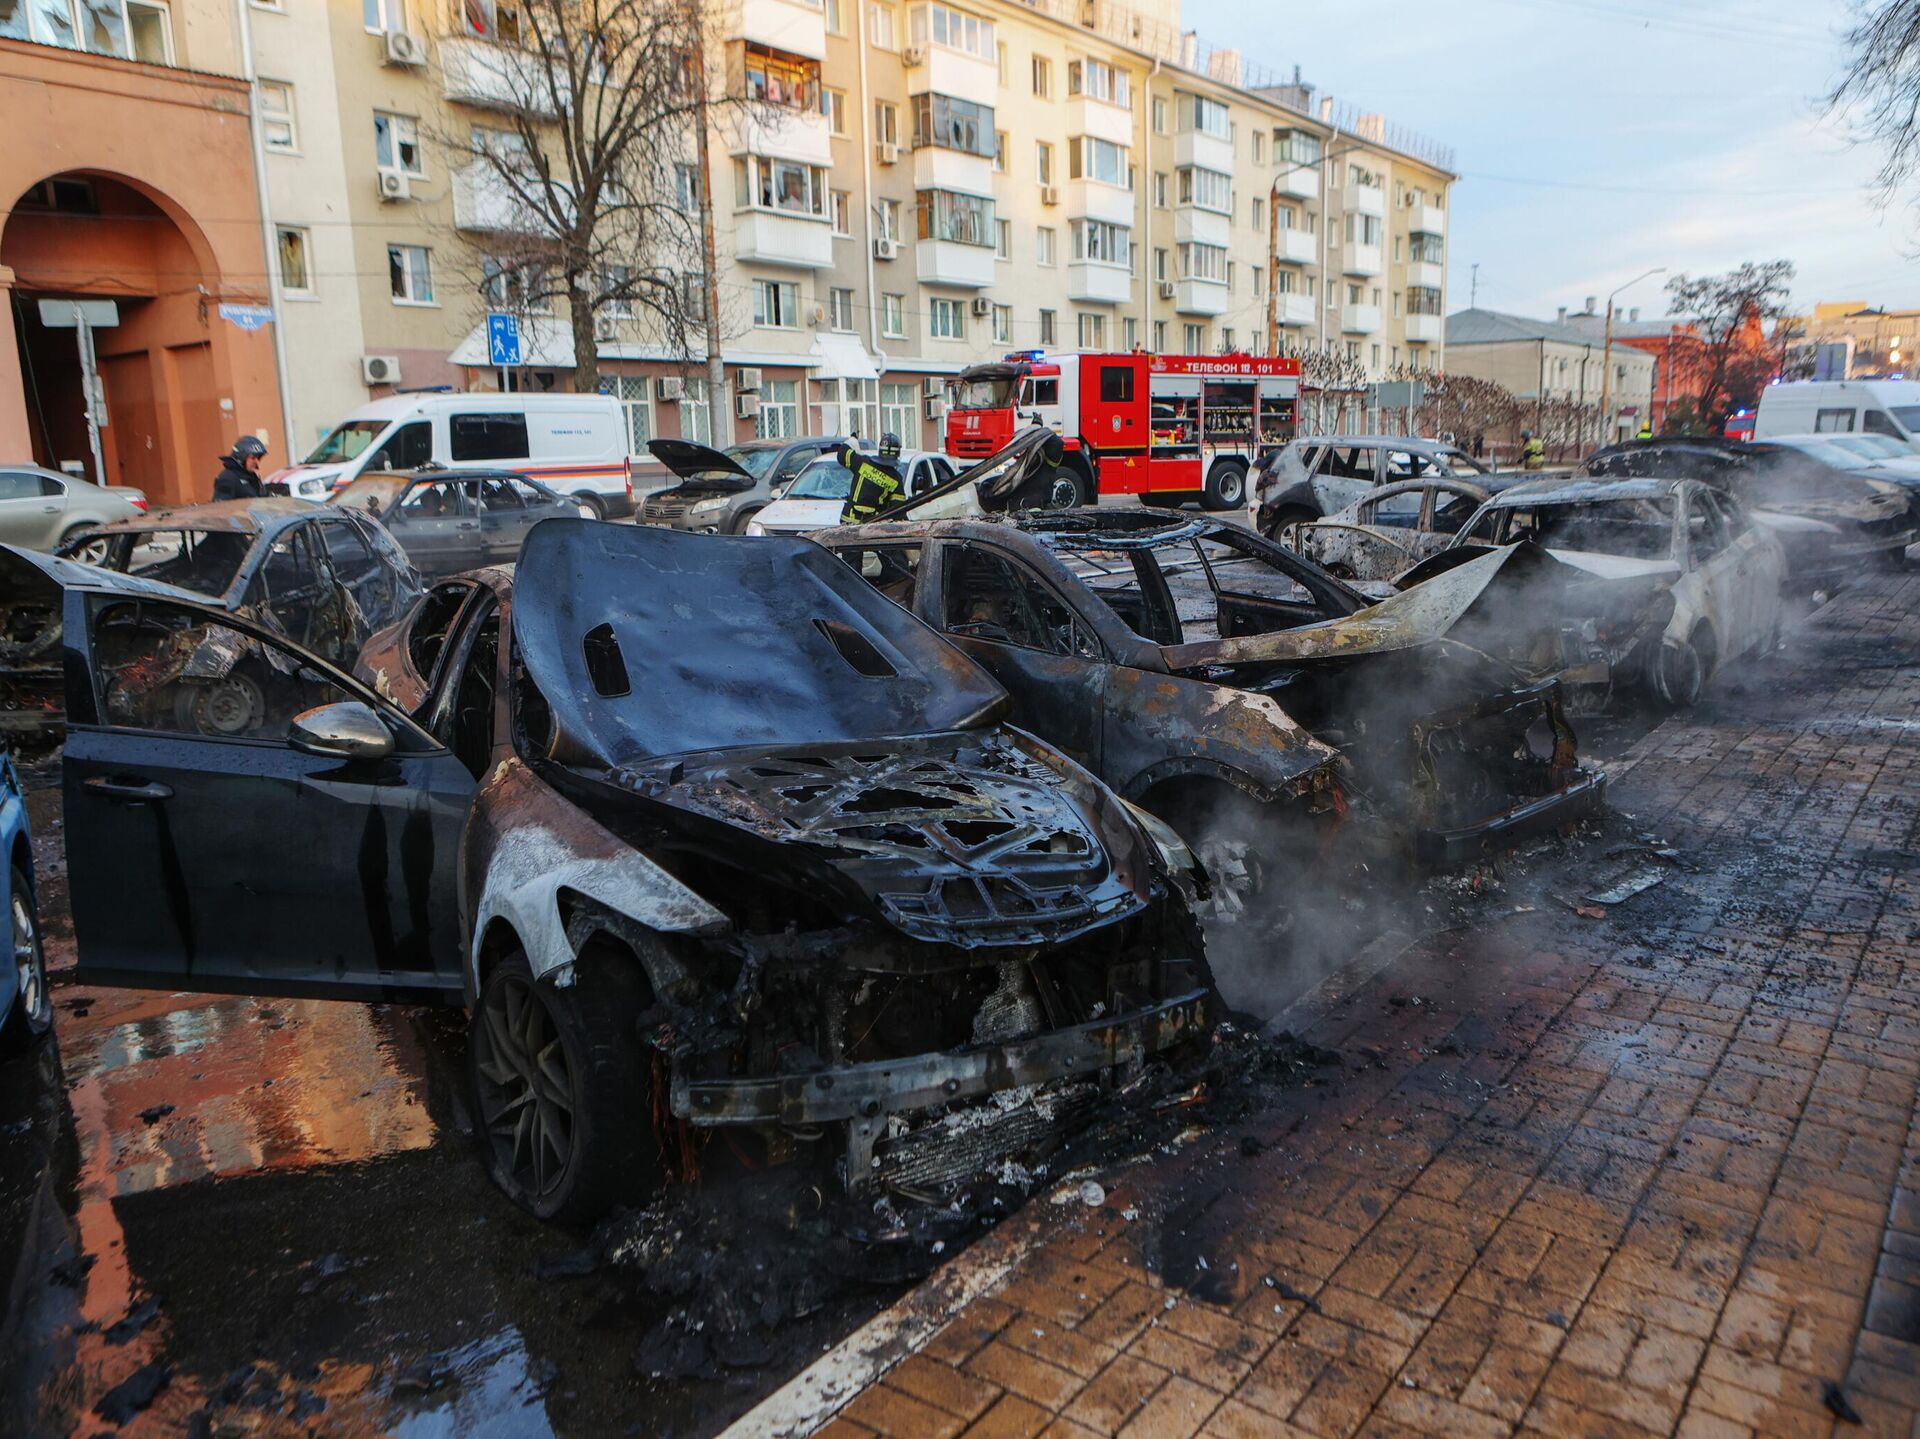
(1622, 890)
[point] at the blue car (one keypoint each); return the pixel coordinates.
(26, 1008)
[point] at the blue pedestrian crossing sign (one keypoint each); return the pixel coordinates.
(503, 339)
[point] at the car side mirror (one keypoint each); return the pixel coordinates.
(347, 730)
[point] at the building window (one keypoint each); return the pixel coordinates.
(696, 413)
(1258, 217)
(1159, 264)
(1206, 190)
(1003, 324)
(396, 143)
(1425, 300)
(1000, 151)
(950, 215)
(1047, 328)
(840, 205)
(1259, 146)
(776, 304)
(1042, 77)
(101, 27)
(880, 26)
(1160, 189)
(1296, 148)
(1003, 239)
(836, 17)
(1396, 304)
(1226, 340)
(886, 123)
(1230, 284)
(1427, 250)
(785, 185)
(950, 124)
(1043, 245)
(1159, 115)
(517, 288)
(889, 216)
(1259, 281)
(899, 412)
(840, 309)
(410, 274)
(946, 319)
(1376, 356)
(384, 17)
(1208, 117)
(779, 416)
(686, 187)
(1000, 62)
(1160, 336)
(635, 394)
(1043, 162)
(276, 116)
(954, 29)
(1098, 240)
(893, 316)
(777, 78)
(1093, 332)
(1196, 339)
(1203, 262)
(616, 292)
(497, 20)
(1363, 229)
(1098, 80)
(693, 294)
(834, 104)
(295, 276)
(1095, 159)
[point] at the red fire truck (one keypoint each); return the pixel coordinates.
(1165, 427)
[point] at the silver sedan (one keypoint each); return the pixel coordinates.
(41, 509)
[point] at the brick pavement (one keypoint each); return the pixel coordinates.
(1657, 1173)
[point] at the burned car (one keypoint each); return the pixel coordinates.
(1654, 583)
(706, 834)
(1194, 665)
(1316, 476)
(1387, 531)
(325, 578)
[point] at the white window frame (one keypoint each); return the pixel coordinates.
(776, 304)
(411, 298)
(840, 309)
(786, 412)
(635, 394)
(398, 128)
(1046, 246)
(1092, 328)
(1003, 324)
(833, 104)
(840, 211)
(380, 17)
(286, 117)
(893, 316)
(882, 29)
(304, 290)
(946, 318)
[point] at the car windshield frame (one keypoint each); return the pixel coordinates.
(805, 488)
(756, 460)
(1664, 504)
(336, 437)
(208, 565)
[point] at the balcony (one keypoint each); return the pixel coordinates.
(1365, 200)
(1300, 182)
(781, 133)
(766, 238)
(1100, 120)
(484, 203)
(795, 26)
(1098, 283)
(1194, 225)
(1209, 152)
(951, 72)
(948, 262)
(1296, 247)
(1423, 329)
(1097, 200)
(1359, 259)
(1426, 275)
(1291, 309)
(938, 168)
(494, 77)
(1426, 220)
(1360, 319)
(1200, 297)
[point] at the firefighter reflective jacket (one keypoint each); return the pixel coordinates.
(1533, 455)
(876, 484)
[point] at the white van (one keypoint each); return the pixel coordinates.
(575, 444)
(1823, 407)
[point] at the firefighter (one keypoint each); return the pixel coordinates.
(1645, 431)
(876, 480)
(239, 477)
(1533, 454)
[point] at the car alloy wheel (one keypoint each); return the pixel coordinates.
(36, 1003)
(525, 1087)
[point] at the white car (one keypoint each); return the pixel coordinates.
(816, 498)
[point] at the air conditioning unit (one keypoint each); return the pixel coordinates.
(936, 407)
(886, 249)
(394, 185)
(1049, 194)
(405, 49)
(913, 55)
(981, 306)
(603, 327)
(889, 152)
(670, 388)
(380, 369)
(746, 406)
(1166, 290)
(933, 385)
(746, 379)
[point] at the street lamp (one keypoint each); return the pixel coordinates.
(1273, 241)
(1606, 351)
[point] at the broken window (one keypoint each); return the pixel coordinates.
(1353, 462)
(432, 622)
(988, 597)
(894, 570)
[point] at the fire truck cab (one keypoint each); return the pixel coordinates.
(1169, 428)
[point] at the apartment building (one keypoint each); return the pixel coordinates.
(901, 188)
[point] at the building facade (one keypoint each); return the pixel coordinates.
(1852, 340)
(1557, 363)
(900, 188)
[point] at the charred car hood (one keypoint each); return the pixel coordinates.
(779, 712)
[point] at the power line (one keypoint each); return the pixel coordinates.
(1680, 191)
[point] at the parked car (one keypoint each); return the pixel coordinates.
(1827, 519)
(1868, 457)
(457, 520)
(43, 509)
(1193, 664)
(1655, 583)
(720, 491)
(1388, 530)
(323, 576)
(816, 498)
(705, 834)
(1310, 478)
(573, 444)
(26, 1005)
(1875, 407)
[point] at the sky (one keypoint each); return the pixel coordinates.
(1597, 139)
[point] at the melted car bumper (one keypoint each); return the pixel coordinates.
(1582, 795)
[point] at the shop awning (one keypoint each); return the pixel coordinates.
(842, 357)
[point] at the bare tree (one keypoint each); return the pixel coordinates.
(1729, 313)
(1466, 406)
(1880, 93)
(588, 187)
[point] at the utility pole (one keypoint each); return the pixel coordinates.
(1606, 356)
(716, 367)
(1473, 288)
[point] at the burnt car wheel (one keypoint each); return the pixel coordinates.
(231, 705)
(1226, 486)
(562, 1086)
(32, 1013)
(1680, 674)
(1289, 515)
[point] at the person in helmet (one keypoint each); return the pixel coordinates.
(239, 477)
(877, 481)
(1533, 454)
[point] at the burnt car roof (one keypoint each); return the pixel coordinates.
(241, 517)
(653, 642)
(1583, 491)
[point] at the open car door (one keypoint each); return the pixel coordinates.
(243, 817)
